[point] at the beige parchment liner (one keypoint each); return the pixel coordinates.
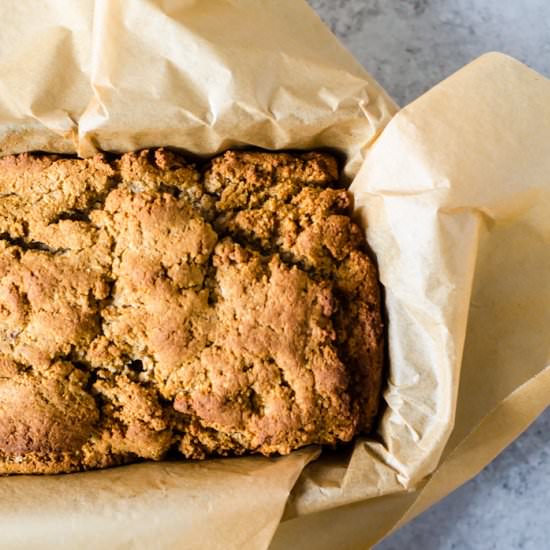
(457, 181)
(456, 194)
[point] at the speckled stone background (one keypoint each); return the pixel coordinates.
(410, 45)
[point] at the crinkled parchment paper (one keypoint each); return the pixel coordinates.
(455, 196)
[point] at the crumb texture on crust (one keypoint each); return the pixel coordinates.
(148, 306)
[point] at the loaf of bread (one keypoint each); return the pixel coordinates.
(150, 307)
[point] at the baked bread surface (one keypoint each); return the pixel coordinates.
(147, 306)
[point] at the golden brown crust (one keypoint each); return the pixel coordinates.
(146, 307)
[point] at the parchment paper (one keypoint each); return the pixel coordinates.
(456, 194)
(455, 198)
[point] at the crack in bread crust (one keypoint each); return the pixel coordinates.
(147, 306)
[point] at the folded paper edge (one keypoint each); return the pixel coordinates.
(520, 409)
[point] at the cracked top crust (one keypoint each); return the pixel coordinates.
(147, 306)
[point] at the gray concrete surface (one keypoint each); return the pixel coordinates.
(409, 45)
